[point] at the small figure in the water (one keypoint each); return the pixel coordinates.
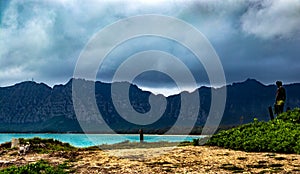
(141, 135)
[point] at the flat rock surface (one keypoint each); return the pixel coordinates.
(188, 159)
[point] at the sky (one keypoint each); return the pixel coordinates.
(42, 40)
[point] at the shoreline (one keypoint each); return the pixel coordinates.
(82, 140)
(107, 134)
(93, 133)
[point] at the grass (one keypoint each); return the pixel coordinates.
(279, 135)
(39, 145)
(43, 146)
(41, 166)
(5, 146)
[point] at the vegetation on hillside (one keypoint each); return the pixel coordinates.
(279, 135)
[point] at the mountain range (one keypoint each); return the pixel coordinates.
(35, 107)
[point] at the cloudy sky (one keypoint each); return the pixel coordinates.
(42, 40)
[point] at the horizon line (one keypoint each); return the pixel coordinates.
(168, 91)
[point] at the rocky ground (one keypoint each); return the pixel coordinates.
(187, 159)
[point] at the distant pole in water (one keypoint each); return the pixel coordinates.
(271, 112)
(141, 135)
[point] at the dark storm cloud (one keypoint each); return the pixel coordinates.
(254, 38)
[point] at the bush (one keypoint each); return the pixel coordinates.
(279, 135)
(290, 116)
(36, 168)
(39, 145)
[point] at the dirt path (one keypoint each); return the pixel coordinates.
(139, 154)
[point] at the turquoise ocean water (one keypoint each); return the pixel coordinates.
(86, 140)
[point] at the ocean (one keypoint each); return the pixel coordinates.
(86, 140)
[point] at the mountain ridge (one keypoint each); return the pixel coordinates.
(144, 90)
(35, 107)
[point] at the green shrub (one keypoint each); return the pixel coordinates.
(39, 145)
(279, 135)
(290, 116)
(36, 168)
(195, 142)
